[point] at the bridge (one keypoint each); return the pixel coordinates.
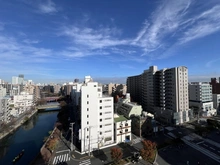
(51, 99)
(47, 106)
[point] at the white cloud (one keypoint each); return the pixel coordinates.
(174, 23)
(27, 41)
(164, 21)
(211, 63)
(204, 24)
(94, 38)
(47, 7)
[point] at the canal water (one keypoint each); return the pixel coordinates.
(28, 137)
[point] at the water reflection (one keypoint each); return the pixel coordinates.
(28, 137)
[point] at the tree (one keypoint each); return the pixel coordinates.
(116, 154)
(51, 144)
(148, 151)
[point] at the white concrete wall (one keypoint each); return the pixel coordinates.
(96, 117)
(121, 131)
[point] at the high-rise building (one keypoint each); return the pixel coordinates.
(14, 80)
(162, 92)
(134, 85)
(200, 98)
(96, 113)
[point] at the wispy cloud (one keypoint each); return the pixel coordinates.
(94, 38)
(163, 23)
(211, 63)
(27, 41)
(47, 7)
(204, 24)
(174, 23)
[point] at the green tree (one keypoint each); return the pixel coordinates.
(116, 154)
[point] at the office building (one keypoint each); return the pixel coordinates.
(14, 80)
(162, 92)
(96, 113)
(200, 98)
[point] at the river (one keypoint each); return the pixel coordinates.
(28, 137)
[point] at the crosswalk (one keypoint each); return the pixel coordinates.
(85, 162)
(61, 158)
(137, 140)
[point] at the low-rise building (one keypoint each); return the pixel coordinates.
(22, 102)
(122, 129)
(127, 108)
(4, 109)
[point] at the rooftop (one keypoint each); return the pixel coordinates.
(119, 118)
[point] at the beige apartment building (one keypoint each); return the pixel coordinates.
(162, 92)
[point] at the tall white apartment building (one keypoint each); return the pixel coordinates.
(97, 120)
(200, 98)
(163, 93)
(14, 80)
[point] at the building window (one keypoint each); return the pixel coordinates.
(100, 101)
(87, 129)
(100, 126)
(100, 107)
(87, 116)
(87, 137)
(87, 122)
(100, 113)
(108, 131)
(108, 138)
(87, 109)
(100, 133)
(100, 120)
(87, 96)
(126, 130)
(87, 102)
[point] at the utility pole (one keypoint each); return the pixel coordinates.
(89, 139)
(71, 145)
(140, 125)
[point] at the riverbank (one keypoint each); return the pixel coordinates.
(17, 125)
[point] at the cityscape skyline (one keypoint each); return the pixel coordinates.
(58, 41)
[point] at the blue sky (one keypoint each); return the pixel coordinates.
(57, 41)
